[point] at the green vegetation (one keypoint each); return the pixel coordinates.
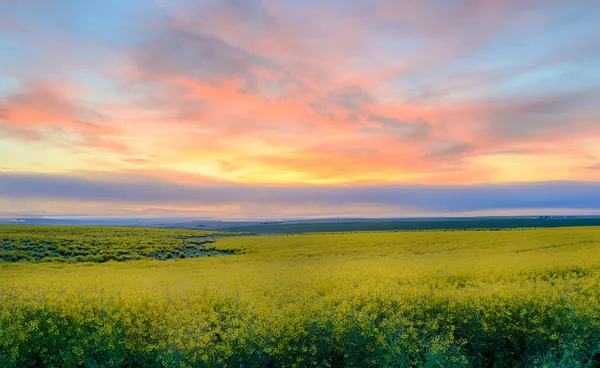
(458, 223)
(97, 244)
(515, 298)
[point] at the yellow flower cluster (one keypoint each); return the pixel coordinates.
(389, 299)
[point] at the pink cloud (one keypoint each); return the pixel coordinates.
(359, 93)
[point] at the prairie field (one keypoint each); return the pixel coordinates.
(128, 297)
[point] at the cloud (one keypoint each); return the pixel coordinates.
(545, 115)
(234, 73)
(450, 150)
(594, 167)
(200, 56)
(134, 189)
(44, 104)
(353, 98)
(303, 91)
(47, 111)
(408, 130)
(47, 104)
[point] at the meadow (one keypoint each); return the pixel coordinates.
(510, 298)
(97, 244)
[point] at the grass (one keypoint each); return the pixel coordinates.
(97, 244)
(399, 299)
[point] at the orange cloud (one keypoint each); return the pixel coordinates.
(269, 91)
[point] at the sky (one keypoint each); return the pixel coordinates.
(300, 108)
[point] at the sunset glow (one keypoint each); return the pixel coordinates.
(240, 103)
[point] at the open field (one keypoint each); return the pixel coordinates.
(459, 223)
(398, 299)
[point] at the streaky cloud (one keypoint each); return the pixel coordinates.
(140, 189)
